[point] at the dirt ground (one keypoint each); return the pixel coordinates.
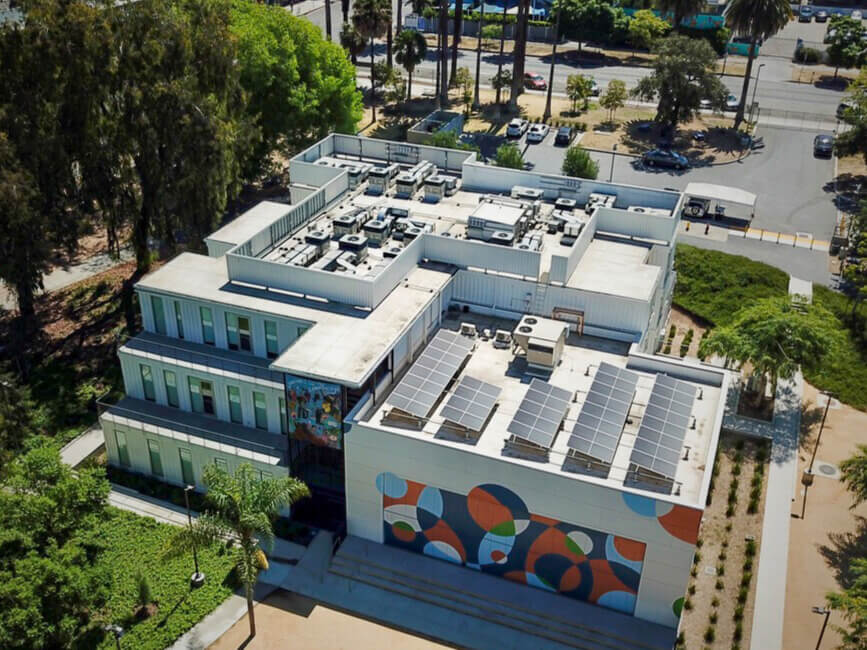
(682, 322)
(823, 543)
(822, 75)
(720, 559)
(287, 620)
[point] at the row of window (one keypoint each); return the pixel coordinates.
(202, 398)
(238, 328)
(156, 463)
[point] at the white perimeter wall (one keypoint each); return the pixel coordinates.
(415, 457)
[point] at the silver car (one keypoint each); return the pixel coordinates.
(537, 133)
(517, 127)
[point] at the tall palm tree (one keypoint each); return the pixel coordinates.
(456, 38)
(328, 19)
(242, 507)
(352, 41)
(519, 53)
(372, 18)
(556, 8)
(389, 35)
(476, 101)
(410, 50)
(443, 53)
(680, 8)
(759, 20)
(500, 58)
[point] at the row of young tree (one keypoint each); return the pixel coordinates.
(148, 117)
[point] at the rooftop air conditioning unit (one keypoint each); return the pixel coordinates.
(469, 329)
(503, 237)
(345, 224)
(567, 205)
(502, 339)
(392, 251)
(377, 231)
(412, 232)
(355, 244)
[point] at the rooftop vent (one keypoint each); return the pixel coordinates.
(530, 320)
(524, 329)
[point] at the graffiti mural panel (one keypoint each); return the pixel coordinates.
(491, 530)
(314, 411)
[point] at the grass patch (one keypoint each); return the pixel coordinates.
(712, 286)
(134, 546)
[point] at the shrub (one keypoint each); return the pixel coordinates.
(738, 634)
(508, 155)
(699, 543)
(739, 613)
(752, 507)
(722, 556)
(808, 55)
(713, 618)
(710, 634)
(736, 470)
(748, 564)
(719, 586)
(672, 331)
(579, 164)
(743, 593)
(730, 511)
(666, 349)
(757, 480)
(681, 640)
(693, 572)
(143, 590)
(691, 590)
(687, 604)
(739, 457)
(761, 457)
(696, 558)
(720, 569)
(733, 497)
(750, 549)
(746, 578)
(729, 527)
(725, 543)
(714, 602)
(756, 492)
(734, 484)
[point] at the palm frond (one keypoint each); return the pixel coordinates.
(206, 530)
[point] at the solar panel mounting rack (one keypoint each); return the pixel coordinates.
(471, 403)
(540, 414)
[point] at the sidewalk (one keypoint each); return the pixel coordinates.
(77, 450)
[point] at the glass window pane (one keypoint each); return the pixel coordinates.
(187, 467)
(122, 449)
(147, 381)
(159, 314)
(271, 339)
(232, 331)
(179, 319)
(207, 325)
(196, 401)
(171, 388)
(261, 410)
(244, 333)
(156, 462)
(284, 421)
(236, 413)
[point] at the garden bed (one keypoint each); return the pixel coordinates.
(718, 607)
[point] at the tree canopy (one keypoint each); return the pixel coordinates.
(508, 155)
(645, 28)
(682, 76)
(578, 89)
(410, 50)
(852, 602)
(776, 338)
(586, 20)
(854, 472)
(614, 97)
(846, 43)
(579, 164)
(853, 140)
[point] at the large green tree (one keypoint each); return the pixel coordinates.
(508, 155)
(776, 338)
(645, 28)
(853, 140)
(17, 422)
(243, 507)
(579, 164)
(51, 584)
(410, 50)
(682, 76)
(680, 10)
(846, 43)
(300, 87)
(854, 473)
(587, 20)
(758, 20)
(852, 603)
(372, 18)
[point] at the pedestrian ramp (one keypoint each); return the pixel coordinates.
(550, 620)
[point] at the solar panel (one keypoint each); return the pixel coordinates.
(663, 427)
(471, 403)
(428, 377)
(597, 430)
(540, 414)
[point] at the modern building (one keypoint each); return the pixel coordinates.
(467, 372)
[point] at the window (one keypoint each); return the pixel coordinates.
(171, 388)
(207, 325)
(260, 408)
(222, 464)
(147, 381)
(187, 466)
(156, 463)
(201, 396)
(238, 332)
(299, 331)
(179, 319)
(236, 414)
(159, 315)
(261, 475)
(122, 449)
(284, 421)
(271, 348)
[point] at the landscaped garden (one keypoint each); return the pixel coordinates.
(718, 606)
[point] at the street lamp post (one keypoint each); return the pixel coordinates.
(117, 631)
(756, 85)
(613, 156)
(807, 477)
(826, 612)
(198, 578)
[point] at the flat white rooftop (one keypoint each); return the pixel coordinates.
(616, 268)
(244, 226)
(344, 343)
(581, 357)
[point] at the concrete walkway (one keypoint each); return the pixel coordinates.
(767, 633)
(76, 451)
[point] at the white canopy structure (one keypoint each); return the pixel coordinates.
(722, 193)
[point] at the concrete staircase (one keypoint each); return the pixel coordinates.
(554, 620)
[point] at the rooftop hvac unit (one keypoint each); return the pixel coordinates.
(531, 243)
(502, 339)
(503, 237)
(377, 231)
(355, 244)
(412, 232)
(392, 251)
(434, 188)
(305, 256)
(654, 211)
(572, 228)
(318, 238)
(345, 224)
(541, 339)
(527, 193)
(566, 205)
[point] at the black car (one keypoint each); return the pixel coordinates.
(564, 136)
(665, 158)
(823, 145)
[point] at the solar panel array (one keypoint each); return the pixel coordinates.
(597, 431)
(471, 403)
(663, 427)
(428, 377)
(540, 414)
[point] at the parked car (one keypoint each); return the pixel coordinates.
(665, 158)
(537, 133)
(805, 14)
(821, 16)
(517, 127)
(732, 103)
(594, 88)
(564, 136)
(823, 145)
(534, 81)
(842, 107)
(857, 15)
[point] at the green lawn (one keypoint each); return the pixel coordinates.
(135, 544)
(713, 286)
